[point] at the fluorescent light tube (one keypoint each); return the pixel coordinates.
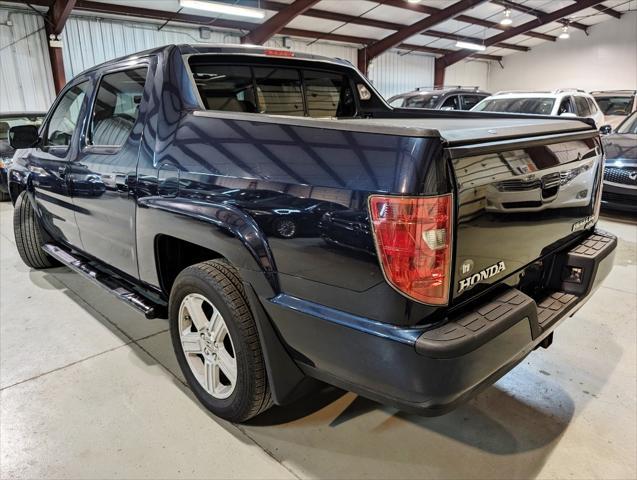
(471, 46)
(223, 8)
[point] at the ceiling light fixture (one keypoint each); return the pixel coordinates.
(507, 20)
(223, 8)
(470, 46)
(564, 35)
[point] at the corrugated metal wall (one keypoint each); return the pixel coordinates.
(88, 41)
(26, 82)
(394, 72)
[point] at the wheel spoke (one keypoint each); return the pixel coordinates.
(191, 342)
(197, 315)
(227, 364)
(211, 376)
(216, 323)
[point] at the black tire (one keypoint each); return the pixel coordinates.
(29, 235)
(4, 197)
(219, 282)
(285, 228)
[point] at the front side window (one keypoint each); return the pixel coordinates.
(117, 106)
(629, 125)
(592, 106)
(64, 119)
(565, 106)
(279, 91)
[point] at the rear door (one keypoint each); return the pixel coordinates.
(49, 163)
(104, 172)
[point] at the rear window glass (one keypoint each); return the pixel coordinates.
(273, 90)
(540, 106)
(328, 94)
(226, 87)
(279, 91)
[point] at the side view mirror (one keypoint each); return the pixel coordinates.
(23, 136)
(568, 115)
(605, 129)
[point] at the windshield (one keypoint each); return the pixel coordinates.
(539, 106)
(429, 100)
(629, 125)
(615, 105)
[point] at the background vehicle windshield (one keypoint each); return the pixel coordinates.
(615, 105)
(422, 101)
(539, 106)
(629, 125)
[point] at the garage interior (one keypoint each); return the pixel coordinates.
(91, 389)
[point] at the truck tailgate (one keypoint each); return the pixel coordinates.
(519, 200)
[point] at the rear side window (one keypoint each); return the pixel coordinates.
(582, 107)
(117, 106)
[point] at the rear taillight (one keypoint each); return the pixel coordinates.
(413, 241)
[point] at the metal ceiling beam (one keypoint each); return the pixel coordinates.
(56, 17)
(608, 11)
(368, 53)
(296, 32)
(454, 57)
(114, 9)
(536, 13)
(461, 18)
(371, 22)
(277, 22)
(415, 28)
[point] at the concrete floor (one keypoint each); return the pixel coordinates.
(90, 389)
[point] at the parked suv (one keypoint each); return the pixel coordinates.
(142, 177)
(616, 104)
(439, 98)
(8, 120)
(564, 102)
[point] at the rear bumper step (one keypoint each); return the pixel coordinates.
(429, 371)
(108, 282)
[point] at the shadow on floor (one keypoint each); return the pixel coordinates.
(332, 433)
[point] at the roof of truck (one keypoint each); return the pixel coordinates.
(224, 48)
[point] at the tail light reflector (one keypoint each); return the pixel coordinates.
(413, 241)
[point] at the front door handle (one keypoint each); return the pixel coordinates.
(62, 172)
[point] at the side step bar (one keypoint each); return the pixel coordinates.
(110, 284)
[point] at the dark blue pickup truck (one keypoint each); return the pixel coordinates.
(293, 227)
